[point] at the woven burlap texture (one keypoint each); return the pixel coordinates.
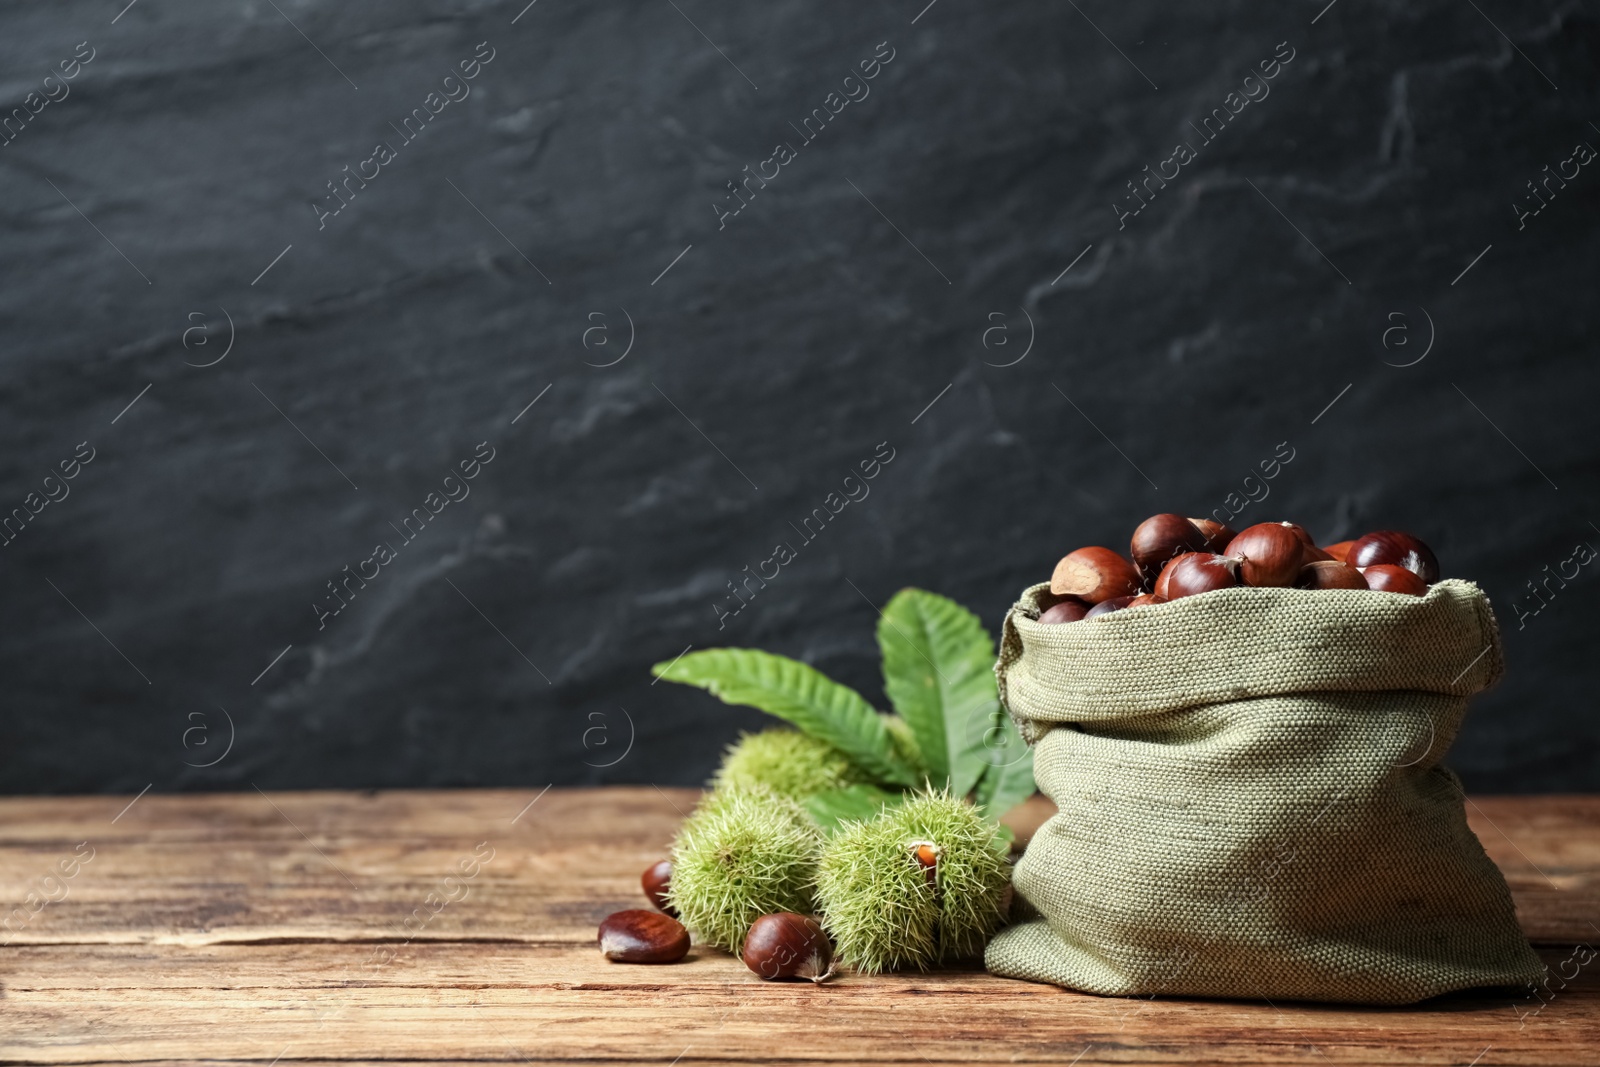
(1252, 800)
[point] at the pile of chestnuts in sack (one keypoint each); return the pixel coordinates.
(1175, 557)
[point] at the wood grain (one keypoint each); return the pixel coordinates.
(246, 927)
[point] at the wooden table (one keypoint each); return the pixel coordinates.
(299, 927)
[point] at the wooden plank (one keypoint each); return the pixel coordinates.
(336, 866)
(341, 866)
(197, 870)
(1548, 847)
(243, 927)
(478, 1001)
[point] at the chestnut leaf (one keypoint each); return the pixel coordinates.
(1008, 778)
(799, 694)
(853, 803)
(938, 672)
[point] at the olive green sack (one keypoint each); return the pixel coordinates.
(1251, 799)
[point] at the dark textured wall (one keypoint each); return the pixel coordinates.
(1363, 236)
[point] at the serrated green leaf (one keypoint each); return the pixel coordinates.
(974, 737)
(800, 694)
(1008, 777)
(853, 803)
(938, 672)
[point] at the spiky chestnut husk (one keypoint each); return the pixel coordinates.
(744, 853)
(881, 906)
(792, 763)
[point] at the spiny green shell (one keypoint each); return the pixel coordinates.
(792, 763)
(744, 852)
(880, 908)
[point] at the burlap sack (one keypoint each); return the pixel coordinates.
(1251, 799)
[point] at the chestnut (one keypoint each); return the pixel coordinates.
(1329, 574)
(1268, 554)
(1299, 531)
(1394, 547)
(655, 881)
(639, 936)
(787, 945)
(1106, 607)
(1339, 550)
(1069, 609)
(1094, 574)
(1309, 550)
(1217, 534)
(1196, 572)
(1390, 578)
(1046, 599)
(1146, 599)
(1159, 538)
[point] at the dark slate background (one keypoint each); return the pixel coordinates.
(510, 642)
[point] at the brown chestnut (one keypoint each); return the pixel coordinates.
(926, 854)
(1196, 572)
(787, 945)
(639, 936)
(1299, 531)
(655, 881)
(1329, 574)
(1217, 534)
(1094, 574)
(1159, 538)
(1268, 554)
(1106, 607)
(1390, 578)
(1145, 600)
(1394, 547)
(1046, 599)
(1309, 550)
(1068, 610)
(1339, 550)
